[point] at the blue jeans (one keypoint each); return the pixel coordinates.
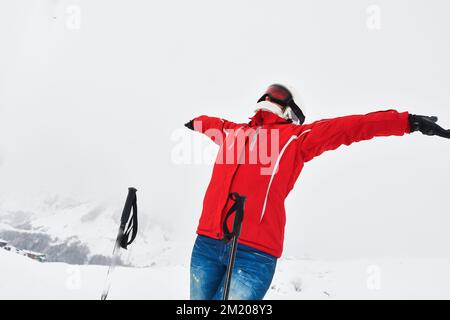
(252, 273)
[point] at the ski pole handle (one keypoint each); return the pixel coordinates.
(238, 208)
(128, 205)
(129, 220)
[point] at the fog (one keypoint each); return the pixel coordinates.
(92, 93)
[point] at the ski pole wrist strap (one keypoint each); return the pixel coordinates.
(238, 208)
(129, 220)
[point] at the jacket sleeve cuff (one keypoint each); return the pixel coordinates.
(406, 115)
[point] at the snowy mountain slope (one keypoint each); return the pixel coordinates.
(77, 232)
(23, 278)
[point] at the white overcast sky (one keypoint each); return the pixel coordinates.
(88, 112)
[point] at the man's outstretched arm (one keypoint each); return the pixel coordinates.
(329, 134)
(211, 126)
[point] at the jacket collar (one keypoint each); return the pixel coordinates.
(266, 117)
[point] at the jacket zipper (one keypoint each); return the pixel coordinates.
(237, 167)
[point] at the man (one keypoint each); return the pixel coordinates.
(262, 160)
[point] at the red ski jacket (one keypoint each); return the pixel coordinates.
(262, 160)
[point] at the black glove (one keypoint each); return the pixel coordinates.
(190, 125)
(427, 125)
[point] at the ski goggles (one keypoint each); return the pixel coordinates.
(280, 95)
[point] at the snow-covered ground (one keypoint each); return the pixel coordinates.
(163, 257)
(23, 278)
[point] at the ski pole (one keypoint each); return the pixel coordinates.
(128, 226)
(238, 207)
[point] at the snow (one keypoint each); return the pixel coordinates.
(382, 278)
(63, 217)
(93, 224)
